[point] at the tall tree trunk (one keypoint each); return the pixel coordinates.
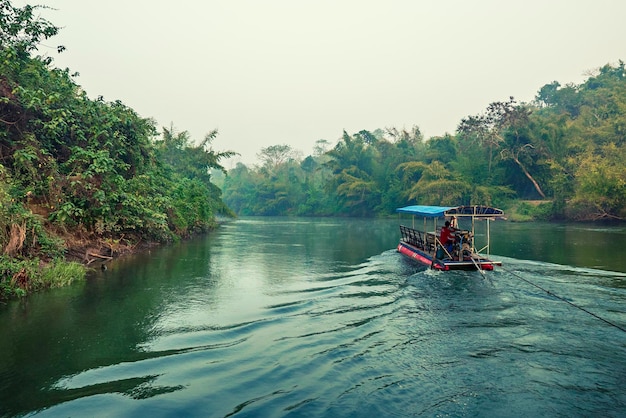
(518, 162)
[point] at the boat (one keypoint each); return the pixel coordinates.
(424, 246)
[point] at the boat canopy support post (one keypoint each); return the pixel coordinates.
(488, 237)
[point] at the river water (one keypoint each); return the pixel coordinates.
(322, 317)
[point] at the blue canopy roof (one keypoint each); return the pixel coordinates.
(442, 211)
(427, 211)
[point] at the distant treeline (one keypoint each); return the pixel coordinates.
(566, 149)
(84, 179)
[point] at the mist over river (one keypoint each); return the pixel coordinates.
(292, 317)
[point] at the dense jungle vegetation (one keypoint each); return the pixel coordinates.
(84, 180)
(565, 152)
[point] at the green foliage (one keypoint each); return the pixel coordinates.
(601, 184)
(195, 200)
(523, 211)
(189, 160)
(191, 207)
(22, 233)
(61, 273)
(346, 180)
(72, 165)
(565, 149)
(21, 31)
(20, 277)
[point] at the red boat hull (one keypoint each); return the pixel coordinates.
(444, 265)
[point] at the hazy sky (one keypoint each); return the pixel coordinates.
(268, 72)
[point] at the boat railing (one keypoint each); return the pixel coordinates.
(482, 250)
(429, 241)
(412, 236)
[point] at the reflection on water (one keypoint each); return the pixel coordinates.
(281, 317)
(585, 245)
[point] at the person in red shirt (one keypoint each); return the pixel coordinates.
(446, 237)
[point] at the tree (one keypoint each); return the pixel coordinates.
(193, 162)
(601, 181)
(351, 164)
(504, 127)
(241, 189)
(275, 155)
(21, 31)
(321, 146)
(438, 186)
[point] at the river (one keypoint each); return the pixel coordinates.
(278, 317)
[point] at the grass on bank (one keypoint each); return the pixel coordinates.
(18, 278)
(530, 210)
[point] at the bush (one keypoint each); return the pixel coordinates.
(61, 273)
(20, 277)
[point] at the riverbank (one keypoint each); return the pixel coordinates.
(82, 252)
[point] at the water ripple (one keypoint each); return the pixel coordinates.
(379, 338)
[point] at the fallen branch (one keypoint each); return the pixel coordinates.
(104, 257)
